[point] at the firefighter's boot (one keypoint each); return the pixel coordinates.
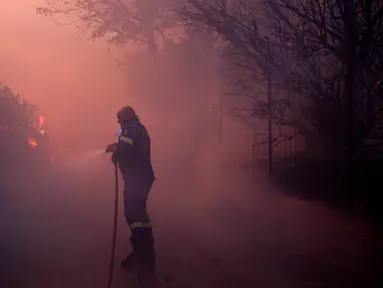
(131, 261)
(147, 254)
(143, 250)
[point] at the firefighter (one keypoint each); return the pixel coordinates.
(132, 154)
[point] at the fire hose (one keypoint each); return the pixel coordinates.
(115, 221)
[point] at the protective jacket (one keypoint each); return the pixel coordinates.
(133, 151)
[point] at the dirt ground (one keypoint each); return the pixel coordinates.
(230, 232)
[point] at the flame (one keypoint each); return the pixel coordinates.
(32, 142)
(41, 125)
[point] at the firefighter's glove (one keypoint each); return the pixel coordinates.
(114, 158)
(111, 148)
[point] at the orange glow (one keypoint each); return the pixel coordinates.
(41, 125)
(35, 50)
(32, 142)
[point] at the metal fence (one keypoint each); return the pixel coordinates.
(287, 151)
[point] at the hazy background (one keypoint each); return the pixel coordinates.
(75, 82)
(216, 224)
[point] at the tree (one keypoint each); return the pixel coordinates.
(327, 51)
(143, 22)
(348, 33)
(254, 62)
(14, 111)
(147, 23)
(19, 131)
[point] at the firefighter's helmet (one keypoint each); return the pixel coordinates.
(126, 113)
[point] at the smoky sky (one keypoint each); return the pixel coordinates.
(75, 82)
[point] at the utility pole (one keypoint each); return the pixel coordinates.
(269, 102)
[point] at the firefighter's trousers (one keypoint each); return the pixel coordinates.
(136, 192)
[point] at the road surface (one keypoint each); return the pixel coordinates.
(232, 232)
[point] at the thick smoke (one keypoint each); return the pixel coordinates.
(216, 224)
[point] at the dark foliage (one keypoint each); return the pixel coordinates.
(24, 145)
(323, 60)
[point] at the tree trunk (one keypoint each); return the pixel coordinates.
(348, 91)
